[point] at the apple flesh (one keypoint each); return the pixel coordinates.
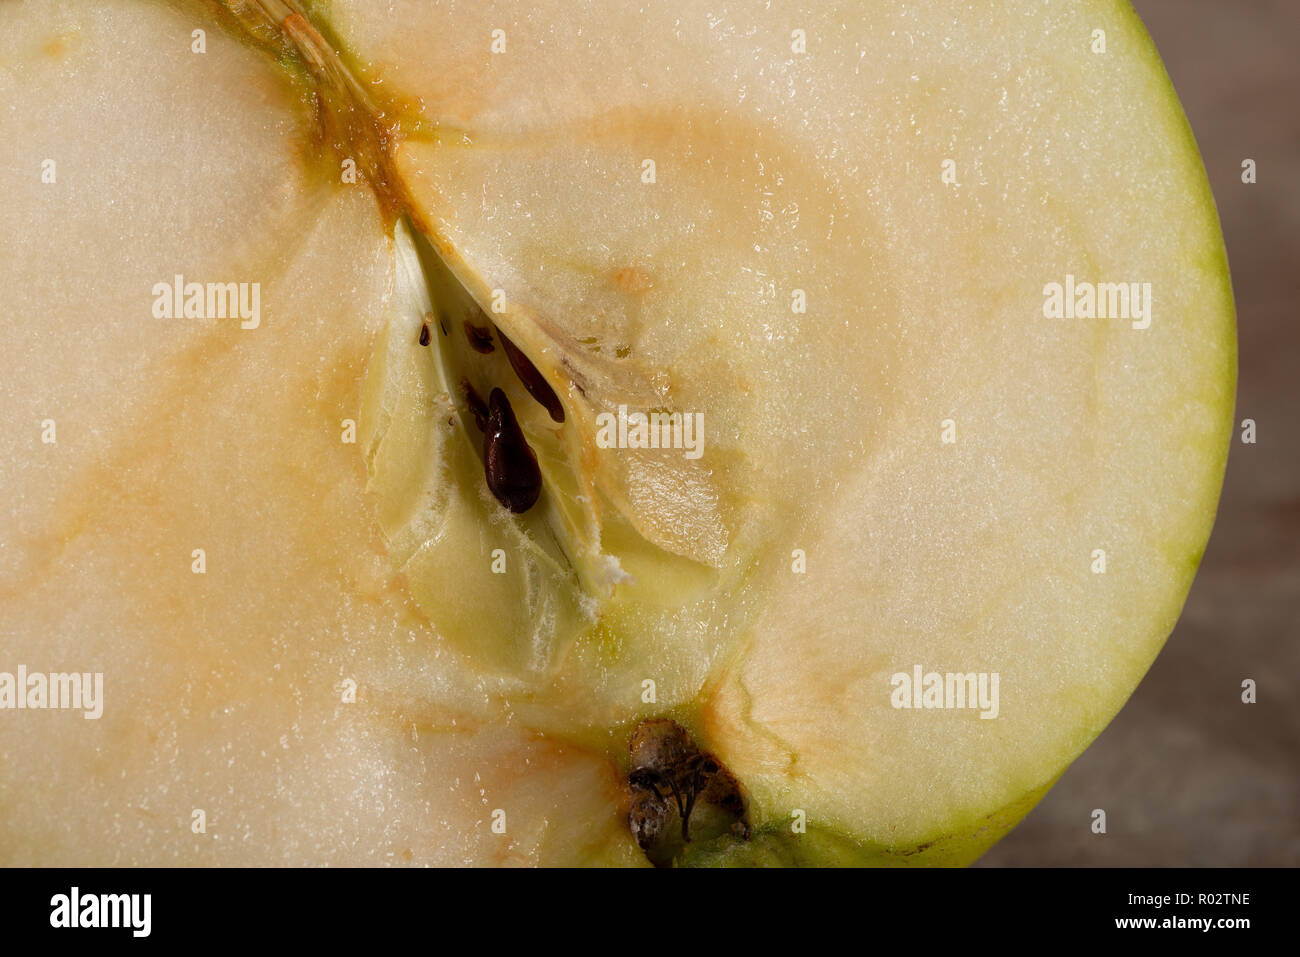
(803, 269)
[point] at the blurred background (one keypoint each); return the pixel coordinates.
(1187, 774)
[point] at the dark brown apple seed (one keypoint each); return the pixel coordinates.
(477, 407)
(512, 472)
(533, 380)
(480, 339)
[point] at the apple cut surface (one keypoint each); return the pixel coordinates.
(221, 689)
(664, 209)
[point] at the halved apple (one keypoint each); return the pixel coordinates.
(337, 610)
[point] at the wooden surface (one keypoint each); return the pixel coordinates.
(1187, 774)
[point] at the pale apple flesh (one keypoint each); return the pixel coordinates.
(826, 539)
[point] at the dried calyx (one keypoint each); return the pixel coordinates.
(673, 784)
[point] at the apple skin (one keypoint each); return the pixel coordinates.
(778, 846)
